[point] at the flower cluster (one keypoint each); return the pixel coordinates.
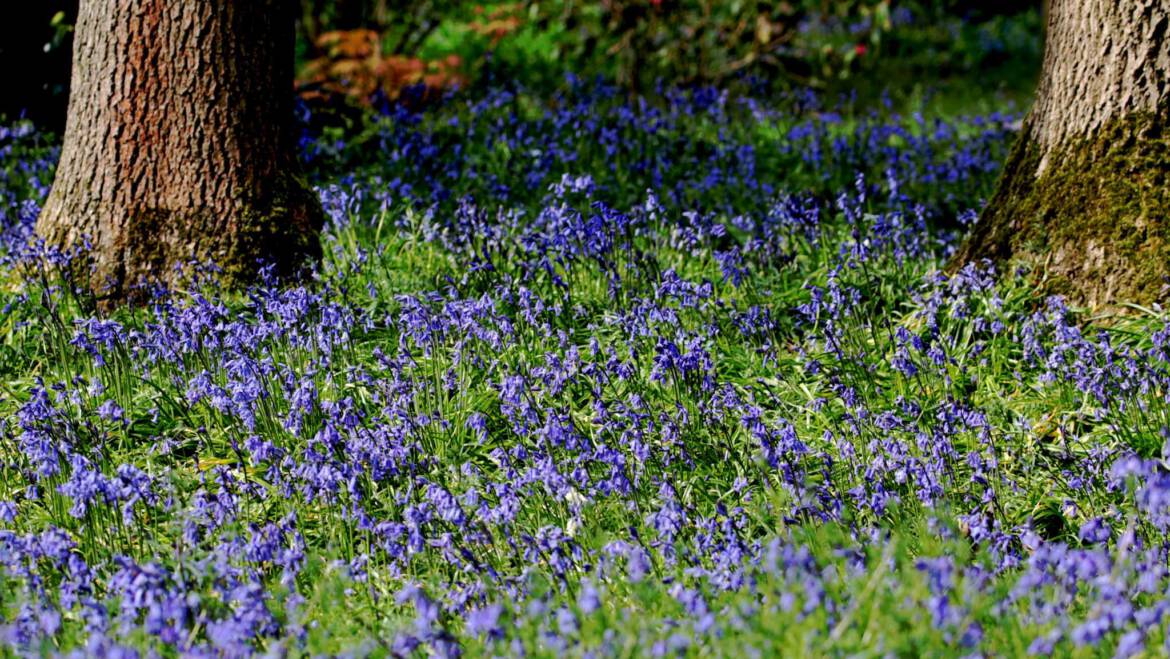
(592, 378)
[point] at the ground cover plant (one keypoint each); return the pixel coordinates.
(586, 375)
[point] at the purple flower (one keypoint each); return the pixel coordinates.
(588, 600)
(485, 621)
(7, 512)
(110, 411)
(1095, 531)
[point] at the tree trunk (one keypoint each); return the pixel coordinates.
(1084, 200)
(179, 143)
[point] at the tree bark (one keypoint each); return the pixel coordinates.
(179, 143)
(1084, 200)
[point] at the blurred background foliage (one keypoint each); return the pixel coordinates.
(354, 55)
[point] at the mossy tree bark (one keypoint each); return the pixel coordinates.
(179, 143)
(1084, 199)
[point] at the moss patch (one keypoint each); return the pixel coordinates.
(282, 230)
(1095, 224)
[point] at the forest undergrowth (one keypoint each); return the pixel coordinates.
(590, 376)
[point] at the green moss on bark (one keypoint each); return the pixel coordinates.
(282, 230)
(1094, 225)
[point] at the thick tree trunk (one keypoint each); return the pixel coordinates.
(179, 143)
(1085, 197)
